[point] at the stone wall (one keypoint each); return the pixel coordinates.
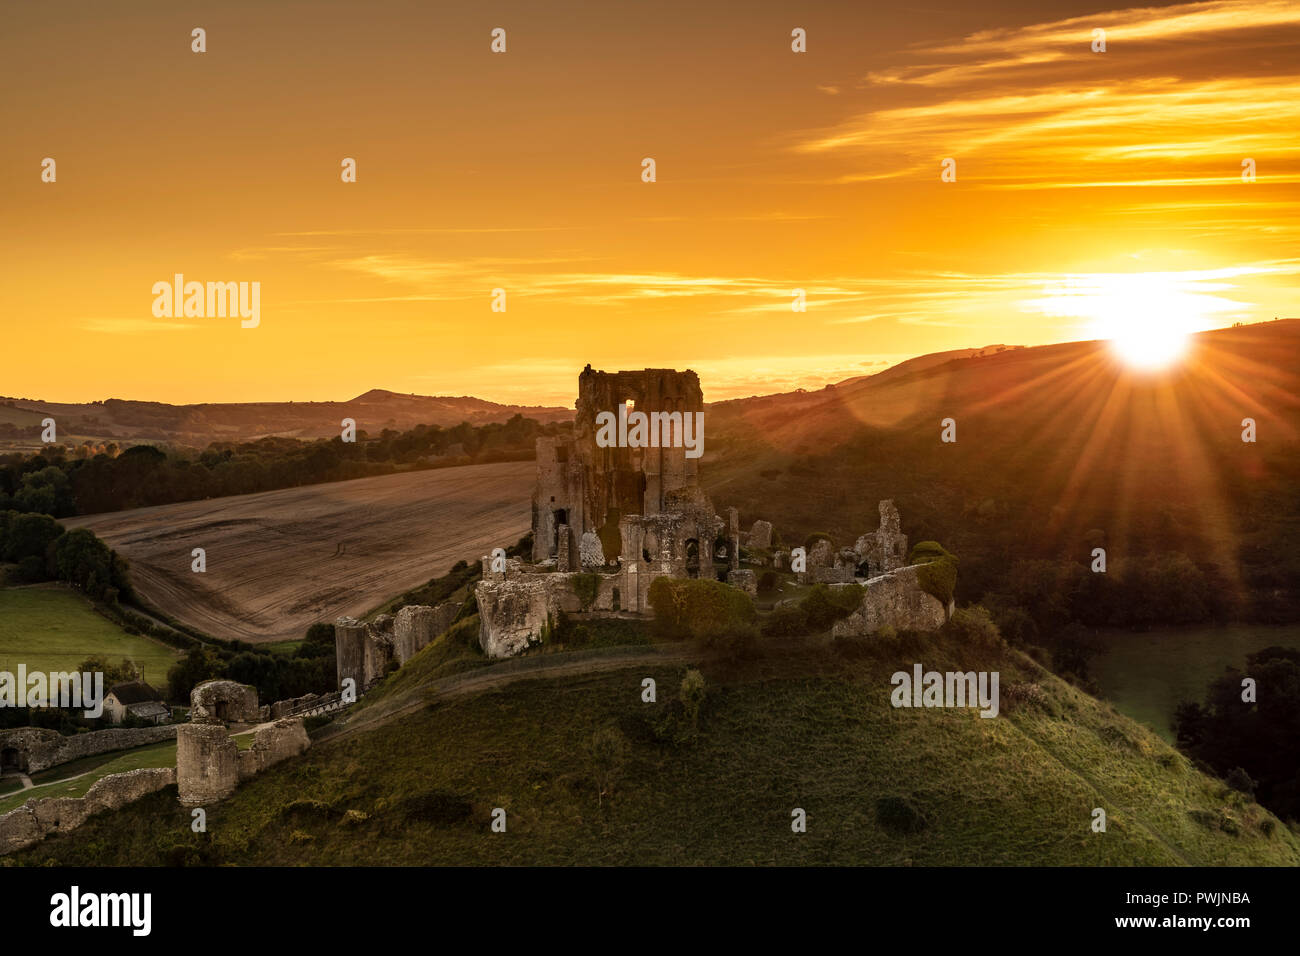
(416, 626)
(884, 549)
(363, 651)
(350, 637)
(39, 749)
(895, 600)
(39, 817)
(279, 741)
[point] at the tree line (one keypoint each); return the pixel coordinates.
(62, 482)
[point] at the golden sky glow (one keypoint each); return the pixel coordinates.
(1092, 188)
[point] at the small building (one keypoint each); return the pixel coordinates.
(137, 699)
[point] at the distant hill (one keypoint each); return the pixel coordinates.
(926, 361)
(198, 425)
(1056, 446)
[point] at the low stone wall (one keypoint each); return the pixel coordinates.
(39, 817)
(39, 749)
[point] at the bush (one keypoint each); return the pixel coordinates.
(738, 644)
(823, 605)
(698, 608)
(692, 694)
(30, 570)
(769, 581)
(786, 620)
(1240, 781)
(607, 750)
(973, 626)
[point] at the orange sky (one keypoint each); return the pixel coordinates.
(821, 171)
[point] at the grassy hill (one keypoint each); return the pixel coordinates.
(414, 773)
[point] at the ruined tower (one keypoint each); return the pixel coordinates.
(584, 489)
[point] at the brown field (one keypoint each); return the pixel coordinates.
(279, 561)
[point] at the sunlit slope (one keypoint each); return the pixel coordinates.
(1060, 442)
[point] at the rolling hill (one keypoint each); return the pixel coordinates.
(198, 425)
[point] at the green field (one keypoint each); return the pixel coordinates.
(1146, 675)
(51, 628)
(803, 727)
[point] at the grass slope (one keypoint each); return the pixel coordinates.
(51, 628)
(803, 726)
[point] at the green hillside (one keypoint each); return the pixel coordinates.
(414, 773)
(52, 628)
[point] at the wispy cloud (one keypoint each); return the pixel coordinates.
(133, 326)
(1179, 98)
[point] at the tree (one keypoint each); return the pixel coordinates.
(608, 750)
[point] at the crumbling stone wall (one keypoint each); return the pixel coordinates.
(39, 748)
(884, 549)
(279, 741)
(363, 651)
(39, 817)
(894, 599)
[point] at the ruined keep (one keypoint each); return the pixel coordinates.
(584, 491)
(626, 513)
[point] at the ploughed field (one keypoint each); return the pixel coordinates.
(279, 561)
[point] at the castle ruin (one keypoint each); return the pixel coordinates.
(609, 519)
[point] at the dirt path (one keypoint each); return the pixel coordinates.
(279, 561)
(500, 675)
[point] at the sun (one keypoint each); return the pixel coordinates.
(1150, 343)
(1147, 317)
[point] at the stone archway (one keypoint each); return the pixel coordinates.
(13, 760)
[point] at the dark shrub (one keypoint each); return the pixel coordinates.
(899, 815)
(437, 807)
(786, 620)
